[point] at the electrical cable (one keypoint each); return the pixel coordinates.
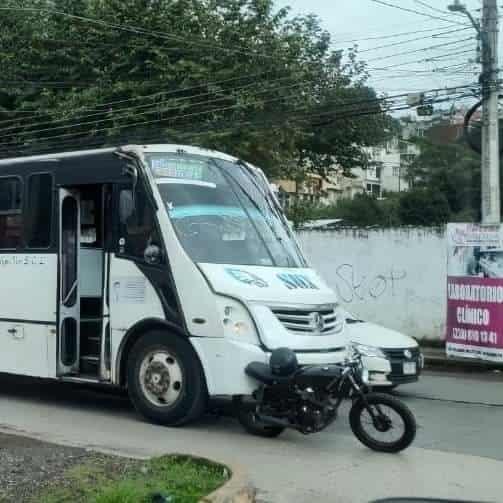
(396, 35)
(108, 141)
(394, 44)
(194, 114)
(126, 109)
(140, 31)
(423, 49)
(58, 137)
(425, 60)
(156, 94)
(263, 101)
(158, 103)
(466, 133)
(387, 4)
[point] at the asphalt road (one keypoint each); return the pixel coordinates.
(458, 451)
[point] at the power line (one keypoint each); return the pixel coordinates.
(179, 102)
(149, 112)
(155, 95)
(423, 49)
(167, 119)
(405, 9)
(56, 84)
(425, 60)
(414, 71)
(198, 114)
(397, 35)
(394, 44)
(232, 129)
(349, 114)
(140, 31)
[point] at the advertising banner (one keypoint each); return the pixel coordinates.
(475, 292)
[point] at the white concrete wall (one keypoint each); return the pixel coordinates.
(394, 277)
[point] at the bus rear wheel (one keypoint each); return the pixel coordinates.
(165, 379)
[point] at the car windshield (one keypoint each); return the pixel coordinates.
(222, 212)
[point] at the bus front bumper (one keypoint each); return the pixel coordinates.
(224, 361)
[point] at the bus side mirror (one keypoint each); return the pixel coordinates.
(126, 205)
(153, 254)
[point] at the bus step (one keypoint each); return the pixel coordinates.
(91, 345)
(89, 365)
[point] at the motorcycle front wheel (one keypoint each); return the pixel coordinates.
(390, 428)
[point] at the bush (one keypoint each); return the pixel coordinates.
(363, 210)
(418, 206)
(424, 207)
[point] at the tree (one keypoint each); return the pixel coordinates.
(423, 207)
(451, 169)
(228, 74)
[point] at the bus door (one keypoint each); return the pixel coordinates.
(69, 291)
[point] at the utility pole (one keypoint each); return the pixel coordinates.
(488, 34)
(490, 113)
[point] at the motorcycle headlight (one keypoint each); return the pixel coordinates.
(371, 351)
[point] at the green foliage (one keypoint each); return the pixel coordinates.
(363, 210)
(420, 207)
(186, 480)
(424, 207)
(299, 212)
(234, 75)
(451, 169)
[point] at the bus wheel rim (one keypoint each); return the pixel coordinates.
(161, 378)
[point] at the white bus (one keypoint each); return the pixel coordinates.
(163, 269)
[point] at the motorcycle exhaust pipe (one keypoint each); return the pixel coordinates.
(274, 421)
(248, 405)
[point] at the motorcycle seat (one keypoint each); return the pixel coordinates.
(262, 372)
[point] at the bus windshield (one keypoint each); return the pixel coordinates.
(223, 212)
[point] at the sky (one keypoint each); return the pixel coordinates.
(401, 67)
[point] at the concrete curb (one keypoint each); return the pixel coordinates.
(440, 361)
(238, 489)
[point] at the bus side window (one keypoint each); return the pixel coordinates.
(11, 218)
(139, 229)
(39, 211)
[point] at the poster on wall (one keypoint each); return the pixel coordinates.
(475, 291)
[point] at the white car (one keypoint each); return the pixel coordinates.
(402, 351)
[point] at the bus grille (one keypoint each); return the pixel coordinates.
(321, 321)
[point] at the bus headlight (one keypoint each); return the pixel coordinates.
(365, 376)
(236, 320)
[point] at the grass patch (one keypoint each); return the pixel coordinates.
(107, 479)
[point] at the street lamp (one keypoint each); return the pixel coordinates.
(457, 6)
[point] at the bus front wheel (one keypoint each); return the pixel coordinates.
(165, 379)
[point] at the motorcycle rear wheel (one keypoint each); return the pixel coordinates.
(384, 424)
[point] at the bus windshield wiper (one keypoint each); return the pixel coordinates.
(254, 204)
(264, 215)
(274, 206)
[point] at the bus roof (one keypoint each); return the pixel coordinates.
(146, 148)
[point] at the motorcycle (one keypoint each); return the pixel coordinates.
(307, 399)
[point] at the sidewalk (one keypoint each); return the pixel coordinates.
(437, 359)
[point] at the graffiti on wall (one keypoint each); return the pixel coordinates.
(354, 286)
